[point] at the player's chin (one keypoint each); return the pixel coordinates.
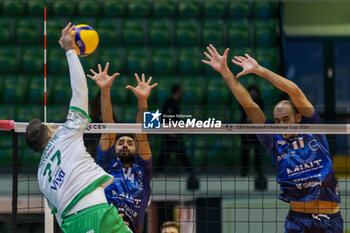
(125, 152)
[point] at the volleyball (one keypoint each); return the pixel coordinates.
(86, 39)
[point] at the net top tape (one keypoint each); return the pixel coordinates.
(96, 128)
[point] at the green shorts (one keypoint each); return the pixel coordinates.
(102, 218)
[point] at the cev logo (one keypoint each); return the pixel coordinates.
(91, 231)
(96, 127)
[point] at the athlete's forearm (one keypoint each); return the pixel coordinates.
(295, 93)
(252, 110)
(143, 149)
(278, 81)
(239, 91)
(106, 106)
(78, 82)
(142, 106)
(106, 140)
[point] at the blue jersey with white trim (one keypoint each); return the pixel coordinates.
(131, 188)
(304, 165)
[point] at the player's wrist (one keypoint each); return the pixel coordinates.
(142, 100)
(70, 51)
(259, 70)
(66, 45)
(226, 73)
(105, 89)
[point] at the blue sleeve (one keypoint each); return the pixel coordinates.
(314, 119)
(268, 141)
(147, 166)
(104, 157)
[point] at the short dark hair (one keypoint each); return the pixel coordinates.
(170, 224)
(176, 88)
(37, 135)
(124, 135)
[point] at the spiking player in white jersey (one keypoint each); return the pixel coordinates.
(68, 176)
(303, 162)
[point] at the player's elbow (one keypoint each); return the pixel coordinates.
(294, 90)
(248, 103)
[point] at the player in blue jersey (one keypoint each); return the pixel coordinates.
(127, 158)
(303, 162)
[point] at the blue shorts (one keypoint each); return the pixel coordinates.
(313, 223)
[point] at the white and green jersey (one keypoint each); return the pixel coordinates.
(67, 172)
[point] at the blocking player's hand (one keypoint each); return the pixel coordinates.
(66, 41)
(249, 64)
(216, 61)
(102, 79)
(143, 88)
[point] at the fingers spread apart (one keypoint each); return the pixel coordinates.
(137, 78)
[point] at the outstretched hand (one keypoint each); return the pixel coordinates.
(249, 64)
(216, 61)
(143, 88)
(102, 79)
(66, 41)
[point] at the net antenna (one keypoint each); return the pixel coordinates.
(49, 220)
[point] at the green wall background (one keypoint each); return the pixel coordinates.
(324, 18)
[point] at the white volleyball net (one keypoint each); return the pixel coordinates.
(201, 178)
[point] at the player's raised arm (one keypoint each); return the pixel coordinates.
(104, 82)
(142, 91)
(219, 63)
(250, 65)
(77, 76)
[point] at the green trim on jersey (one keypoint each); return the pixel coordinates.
(81, 112)
(91, 187)
(51, 206)
(54, 211)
